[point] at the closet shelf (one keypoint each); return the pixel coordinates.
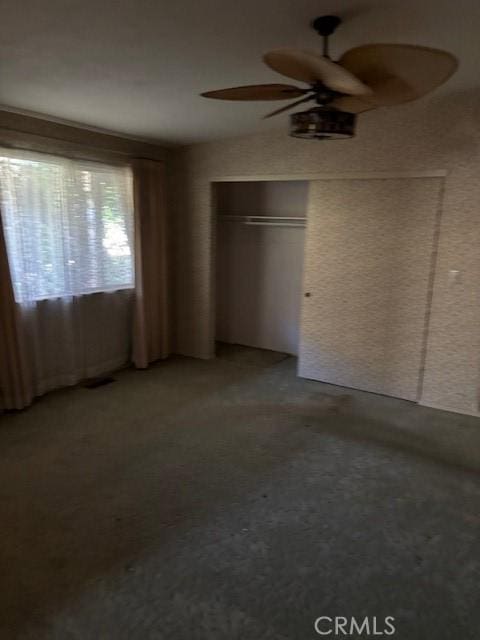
(266, 221)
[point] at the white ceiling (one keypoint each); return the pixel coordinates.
(137, 66)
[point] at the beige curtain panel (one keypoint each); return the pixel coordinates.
(21, 360)
(151, 326)
(16, 388)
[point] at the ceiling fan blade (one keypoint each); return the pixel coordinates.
(257, 92)
(352, 104)
(311, 67)
(287, 107)
(398, 73)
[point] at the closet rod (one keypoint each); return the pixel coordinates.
(275, 224)
(236, 217)
(267, 221)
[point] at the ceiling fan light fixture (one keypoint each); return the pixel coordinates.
(364, 78)
(322, 123)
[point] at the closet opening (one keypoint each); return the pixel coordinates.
(260, 233)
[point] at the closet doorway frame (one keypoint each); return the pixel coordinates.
(308, 177)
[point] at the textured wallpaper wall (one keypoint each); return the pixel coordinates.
(368, 264)
(432, 134)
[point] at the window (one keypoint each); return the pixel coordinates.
(68, 225)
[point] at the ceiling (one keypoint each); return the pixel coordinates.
(137, 66)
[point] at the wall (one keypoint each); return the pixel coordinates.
(259, 286)
(436, 133)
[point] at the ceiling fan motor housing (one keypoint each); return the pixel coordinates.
(322, 123)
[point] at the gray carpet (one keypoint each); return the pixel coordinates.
(216, 500)
(249, 355)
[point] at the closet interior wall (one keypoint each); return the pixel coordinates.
(260, 246)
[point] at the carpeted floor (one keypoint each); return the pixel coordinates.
(229, 500)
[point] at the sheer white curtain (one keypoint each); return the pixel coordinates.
(69, 233)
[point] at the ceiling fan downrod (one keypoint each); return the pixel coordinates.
(325, 26)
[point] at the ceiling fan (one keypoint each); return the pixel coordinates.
(364, 78)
